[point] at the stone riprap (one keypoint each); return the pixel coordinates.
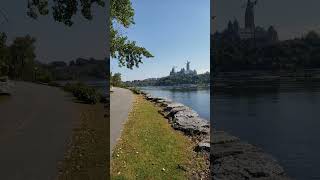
(231, 159)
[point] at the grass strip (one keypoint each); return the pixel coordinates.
(150, 149)
(88, 154)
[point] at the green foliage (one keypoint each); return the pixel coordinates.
(173, 80)
(126, 51)
(135, 90)
(43, 75)
(116, 80)
(312, 35)
(17, 60)
(55, 84)
(63, 11)
(22, 52)
(83, 92)
(4, 55)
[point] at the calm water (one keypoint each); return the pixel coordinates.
(197, 99)
(285, 123)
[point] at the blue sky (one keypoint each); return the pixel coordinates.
(174, 32)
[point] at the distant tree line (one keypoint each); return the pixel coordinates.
(289, 55)
(174, 80)
(18, 61)
(80, 68)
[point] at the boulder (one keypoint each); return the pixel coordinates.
(163, 101)
(173, 105)
(233, 159)
(186, 113)
(172, 112)
(221, 137)
(250, 165)
(191, 126)
(203, 145)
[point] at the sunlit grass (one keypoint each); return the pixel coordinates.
(150, 149)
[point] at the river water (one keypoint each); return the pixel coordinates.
(196, 98)
(284, 122)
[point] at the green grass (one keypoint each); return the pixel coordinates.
(150, 149)
(88, 155)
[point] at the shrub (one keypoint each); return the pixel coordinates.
(44, 78)
(83, 92)
(52, 83)
(135, 90)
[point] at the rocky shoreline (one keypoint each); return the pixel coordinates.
(230, 159)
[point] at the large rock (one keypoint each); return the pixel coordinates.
(204, 145)
(233, 159)
(221, 137)
(173, 105)
(191, 126)
(180, 111)
(250, 165)
(189, 113)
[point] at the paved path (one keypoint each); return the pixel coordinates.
(35, 125)
(120, 105)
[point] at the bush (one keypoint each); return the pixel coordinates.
(135, 90)
(83, 92)
(53, 84)
(44, 78)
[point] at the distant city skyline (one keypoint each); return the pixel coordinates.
(291, 18)
(174, 32)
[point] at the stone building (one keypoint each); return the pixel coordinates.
(183, 70)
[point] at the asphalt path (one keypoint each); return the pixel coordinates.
(35, 127)
(120, 105)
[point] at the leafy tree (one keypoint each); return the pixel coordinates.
(4, 55)
(312, 35)
(22, 53)
(127, 52)
(63, 10)
(116, 80)
(110, 78)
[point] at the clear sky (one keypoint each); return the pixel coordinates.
(174, 32)
(292, 18)
(55, 41)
